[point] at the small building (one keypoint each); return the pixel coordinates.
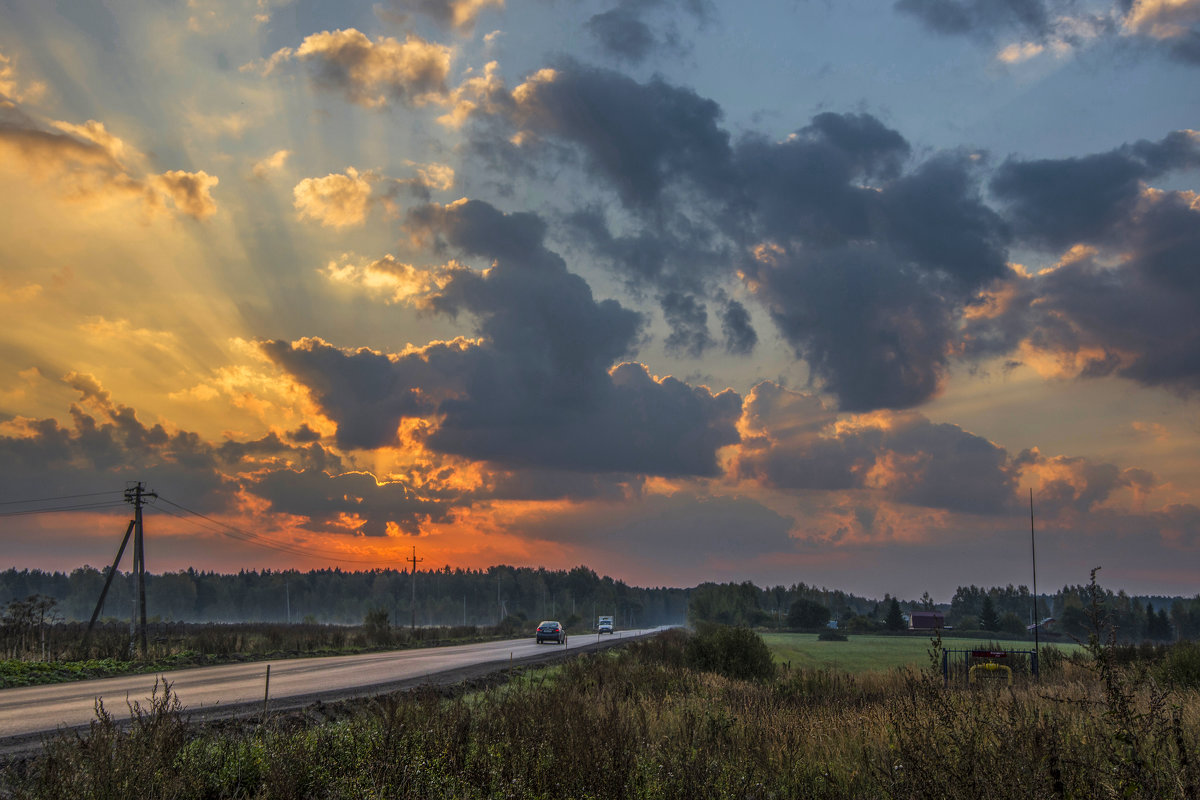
(926, 620)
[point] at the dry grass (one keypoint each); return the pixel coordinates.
(643, 724)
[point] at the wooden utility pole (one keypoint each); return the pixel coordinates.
(413, 607)
(137, 623)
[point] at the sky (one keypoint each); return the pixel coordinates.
(680, 290)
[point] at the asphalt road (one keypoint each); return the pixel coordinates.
(28, 713)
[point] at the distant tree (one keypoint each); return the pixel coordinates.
(926, 602)
(895, 618)
(1012, 624)
(806, 613)
(377, 626)
(1158, 625)
(989, 620)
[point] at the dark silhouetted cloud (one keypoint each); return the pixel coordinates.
(1060, 202)
(1031, 17)
(541, 389)
(740, 336)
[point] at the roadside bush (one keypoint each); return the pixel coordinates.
(733, 652)
(1181, 666)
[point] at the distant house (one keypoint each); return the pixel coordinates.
(926, 620)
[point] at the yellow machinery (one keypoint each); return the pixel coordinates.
(989, 667)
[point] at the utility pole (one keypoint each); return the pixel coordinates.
(413, 607)
(136, 495)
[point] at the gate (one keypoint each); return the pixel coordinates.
(988, 666)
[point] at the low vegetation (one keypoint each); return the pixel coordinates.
(677, 716)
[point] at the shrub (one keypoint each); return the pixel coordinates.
(832, 636)
(1181, 666)
(733, 652)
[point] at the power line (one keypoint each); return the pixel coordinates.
(51, 510)
(60, 497)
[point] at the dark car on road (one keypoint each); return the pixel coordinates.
(551, 631)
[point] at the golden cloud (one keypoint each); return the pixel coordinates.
(272, 163)
(397, 281)
(10, 87)
(191, 192)
(337, 200)
(1162, 19)
(371, 73)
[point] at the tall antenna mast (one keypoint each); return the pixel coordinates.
(1037, 625)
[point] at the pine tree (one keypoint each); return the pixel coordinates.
(895, 619)
(989, 620)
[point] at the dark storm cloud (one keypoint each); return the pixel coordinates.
(868, 325)
(537, 392)
(625, 32)
(1127, 304)
(905, 457)
(622, 32)
(676, 253)
(639, 137)
(985, 17)
(835, 195)
(811, 185)
(370, 392)
(935, 218)
(740, 336)
(1059, 202)
(329, 500)
(688, 319)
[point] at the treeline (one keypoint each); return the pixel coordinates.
(1008, 610)
(442, 597)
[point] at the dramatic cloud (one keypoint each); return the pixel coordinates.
(1062, 25)
(1032, 17)
(372, 73)
(636, 136)
(864, 267)
(540, 388)
(1061, 202)
(796, 443)
(90, 163)
(342, 200)
(1123, 300)
(625, 32)
(349, 503)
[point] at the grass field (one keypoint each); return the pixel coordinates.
(867, 653)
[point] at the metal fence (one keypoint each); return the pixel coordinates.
(988, 666)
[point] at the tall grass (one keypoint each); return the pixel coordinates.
(643, 723)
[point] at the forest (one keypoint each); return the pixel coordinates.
(450, 597)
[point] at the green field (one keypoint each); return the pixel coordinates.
(866, 653)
